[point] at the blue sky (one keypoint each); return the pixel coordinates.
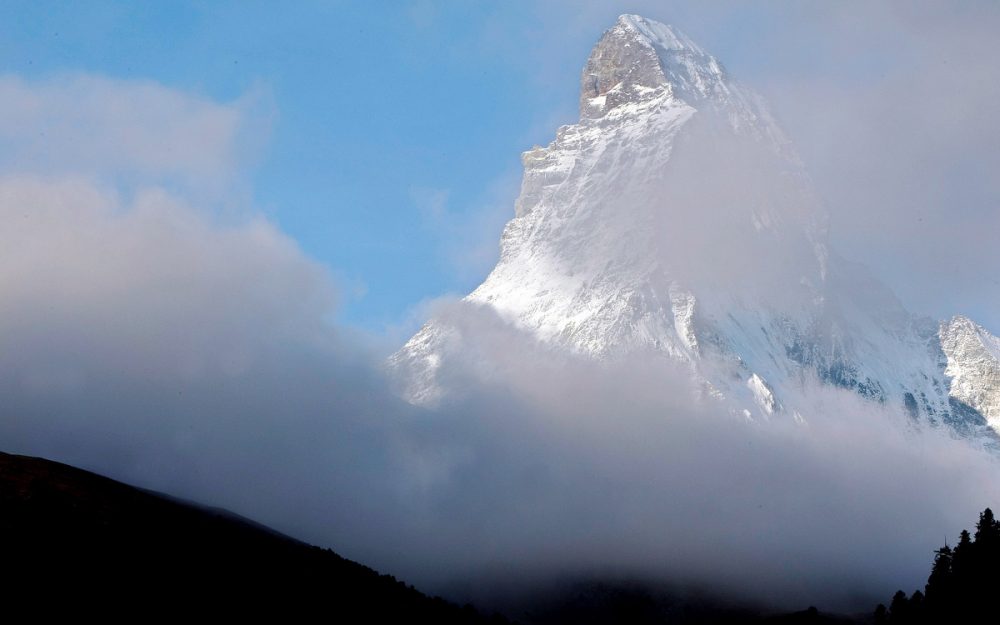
(384, 138)
(375, 113)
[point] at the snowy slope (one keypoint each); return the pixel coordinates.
(675, 218)
(973, 369)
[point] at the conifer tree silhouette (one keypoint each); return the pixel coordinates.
(960, 586)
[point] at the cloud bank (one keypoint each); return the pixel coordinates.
(143, 336)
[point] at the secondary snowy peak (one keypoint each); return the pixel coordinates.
(973, 366)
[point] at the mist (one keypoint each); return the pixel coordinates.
(151, 337)
(541, 466)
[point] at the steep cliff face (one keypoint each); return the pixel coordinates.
(674, 218)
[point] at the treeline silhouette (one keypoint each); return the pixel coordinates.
(961, 584)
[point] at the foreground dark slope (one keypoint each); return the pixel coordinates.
(76, 543)
(72, 542)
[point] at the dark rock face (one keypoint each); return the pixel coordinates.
(619, 60)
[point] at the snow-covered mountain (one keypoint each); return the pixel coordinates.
(675, 218)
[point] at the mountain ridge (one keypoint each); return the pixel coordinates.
(675, 218)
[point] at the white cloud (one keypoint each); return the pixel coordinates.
(82, 123)
(147, 284)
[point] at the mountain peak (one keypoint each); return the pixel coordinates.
(674, 219)
(639, 58)
(657, 33)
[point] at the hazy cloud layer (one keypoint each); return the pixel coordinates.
(144, 341)
(906, 151)
(542, 466)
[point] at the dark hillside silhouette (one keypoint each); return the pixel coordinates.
(76, 544)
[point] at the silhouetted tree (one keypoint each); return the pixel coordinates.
(960, 554)
(916, 608)
(899, 609)
(939, 591)
(987, 530)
